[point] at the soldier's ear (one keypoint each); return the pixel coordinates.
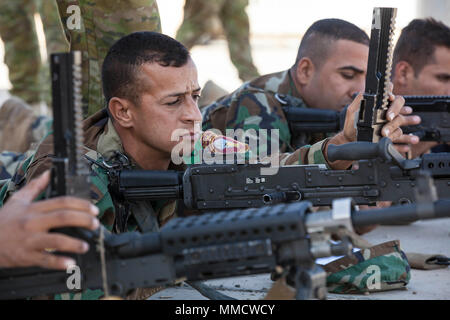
(304, 71)
(404, 73)
(120, 111)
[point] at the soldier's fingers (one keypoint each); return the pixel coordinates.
(395, 108)
(396, 134)
(402, 148)
(384, 204)
(65, 218)
(59, 242)
(33, 189)
(65, 203)
(354, 106)
(50, 261)
(406, 110)
(407, 139)
(399, 121)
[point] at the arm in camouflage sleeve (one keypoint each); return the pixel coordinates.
(250, 111)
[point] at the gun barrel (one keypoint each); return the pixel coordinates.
(403, 213)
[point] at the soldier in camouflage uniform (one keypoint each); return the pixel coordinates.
(93, 38)
(198, 25)
(331, 64)
(29, 77)
(421, 66)
(103, 23)
(138, 125)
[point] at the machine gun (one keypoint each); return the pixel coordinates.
(385, 176)
(434, 112)
(286, 238)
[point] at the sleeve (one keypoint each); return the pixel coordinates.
(261, 118)
(309, 154)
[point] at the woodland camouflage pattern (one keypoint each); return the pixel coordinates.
(30, 78)
(101, 140)
(357, 272)
(198, 26)
(103, 23)
(254, 106)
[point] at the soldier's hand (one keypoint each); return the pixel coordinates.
(422, 148)
(398, 115)
(24, 227)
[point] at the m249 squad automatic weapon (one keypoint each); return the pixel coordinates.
(285, 238)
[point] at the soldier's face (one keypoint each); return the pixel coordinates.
(434, 78)
(168, 106)
(340, 76)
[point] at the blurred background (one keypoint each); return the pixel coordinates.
(276, 28)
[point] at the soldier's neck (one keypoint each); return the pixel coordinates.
(146, 158)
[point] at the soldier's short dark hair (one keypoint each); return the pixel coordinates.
(418, 41)
(128, 54)
(320, 36)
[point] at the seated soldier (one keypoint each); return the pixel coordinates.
(151, 88)
(421, 66)
(329, 69)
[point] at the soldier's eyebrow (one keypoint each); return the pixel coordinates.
(183, 93)
(351, 68)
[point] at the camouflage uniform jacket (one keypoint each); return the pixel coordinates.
(101, 141)
(258, 105)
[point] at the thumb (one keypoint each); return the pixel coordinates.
(350, 121)
(354, 106)
(34, 188)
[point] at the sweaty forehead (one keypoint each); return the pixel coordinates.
(158, 80)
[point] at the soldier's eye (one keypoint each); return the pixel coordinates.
(443, 77)
(173, 103)
(348, 75)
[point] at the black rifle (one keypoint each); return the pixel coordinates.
(434, 112)
(286, 238)
(386, 176)
(70, 174)
(375, 102)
